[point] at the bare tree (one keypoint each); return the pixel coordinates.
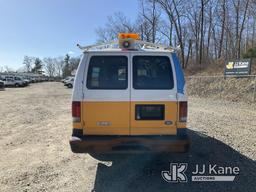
(223, 22)
(166, 32)
(174, 10)
(149, 19)
(201, 51)
(28, 63)
(59, 65)
(117, 23)
(74, 62)
(50, 66)
(207, 31)
(241, 10)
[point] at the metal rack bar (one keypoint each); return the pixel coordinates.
(142, 45)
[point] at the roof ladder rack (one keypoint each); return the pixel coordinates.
(142, 45)
(148, 45)
(99, 46)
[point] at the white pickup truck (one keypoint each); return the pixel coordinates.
(14, 81)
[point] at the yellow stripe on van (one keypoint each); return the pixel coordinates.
(106, 118)
(118, 118)
(77, 125)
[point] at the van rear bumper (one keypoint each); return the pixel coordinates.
(151, 143)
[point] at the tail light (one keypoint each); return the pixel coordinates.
(76, 111)
(183, 111)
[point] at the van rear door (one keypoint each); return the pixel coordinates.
(106, 103)
(153, 95)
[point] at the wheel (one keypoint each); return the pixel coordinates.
(16, 85)
(70, 86)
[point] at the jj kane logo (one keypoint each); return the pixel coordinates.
(177, 173)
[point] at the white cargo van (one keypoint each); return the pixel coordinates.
(129, 96)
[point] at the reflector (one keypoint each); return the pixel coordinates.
(76, 111)
(183, 111)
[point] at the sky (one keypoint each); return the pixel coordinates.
(52, 28)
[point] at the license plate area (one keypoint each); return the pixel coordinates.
(149, 112)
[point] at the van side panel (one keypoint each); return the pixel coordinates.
(179, 74)
(181, 87)
(106, 118)
(77, 94)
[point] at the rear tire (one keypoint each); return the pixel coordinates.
(70, 86)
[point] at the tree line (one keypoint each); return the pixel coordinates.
(206, 31)
(51, 66)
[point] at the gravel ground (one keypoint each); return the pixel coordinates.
(35, 126)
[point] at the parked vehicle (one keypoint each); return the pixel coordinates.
(9, 82)
(20, 81)
(129, 98)
(66, 79)
(33, 80)
(1, 85)
(14, 81)
(28, 79)
(69, 83)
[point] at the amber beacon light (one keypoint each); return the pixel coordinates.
(127, 40)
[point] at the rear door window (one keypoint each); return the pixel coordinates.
(107, 72)
(152, 72)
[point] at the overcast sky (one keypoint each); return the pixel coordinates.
(52, 27)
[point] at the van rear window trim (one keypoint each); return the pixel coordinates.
(133, 73)
(95, 88)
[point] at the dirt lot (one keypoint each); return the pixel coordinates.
(35, 126)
